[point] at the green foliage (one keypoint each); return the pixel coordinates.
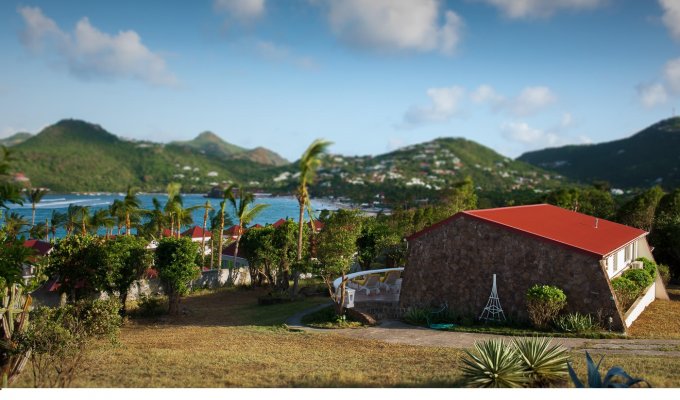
(14, 311)
(125, 259)
(58, 338)
(416, 315)
(151, 306)
(544, 302)
(337, 244)
(545, 364)
(13, 255)
(616, 377)
(494, 364)
(626, 291)
(576, 323)
(665, 273)
(639, 211)
(590, 201)
(640, 277)
(665, 236)
(649, 266)
(76, 260)
(326, 318)
(175, 261)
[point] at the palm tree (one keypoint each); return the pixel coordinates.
(174, 204)
(14, 224)
(83, 218)
(156, 220)
(245, 211)
(56, 220)
(207, 206)
(100, 218)
(73, 214)
(38, 230)
(117, 211)
(309, 162)
(131, 204)
(34, 196)
(226, 195)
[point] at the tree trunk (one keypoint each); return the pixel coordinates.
(340, 305)
(173, 304)
(172, 225)
(47, 230)
(127, 224)
(219, 243)
(123, 299)
(33, 219)
(205, 222)
(300, 221)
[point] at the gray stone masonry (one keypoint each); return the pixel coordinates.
(455, 261)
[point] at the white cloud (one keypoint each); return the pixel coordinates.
(529, 101)
(517, 9)
(672, 75)
(278, 53)
(90, 53)
(533, 138)
(671, 16)
(486, 94)
(652, 95)
(395, 143)
(395, 24)
(244, 9)
(445, 104)
(567, 120)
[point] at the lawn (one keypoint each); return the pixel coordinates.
(661, 319)
(224, 339)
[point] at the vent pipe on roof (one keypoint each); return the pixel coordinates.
(596, 221)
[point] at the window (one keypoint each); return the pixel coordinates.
(616, 261)
(629, 251)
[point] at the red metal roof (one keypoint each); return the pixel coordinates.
(278, 223)
(41, 247)
(592, 235)
(196, 232)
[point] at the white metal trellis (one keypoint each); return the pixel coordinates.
(493, 310)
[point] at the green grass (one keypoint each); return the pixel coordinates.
(519, 331)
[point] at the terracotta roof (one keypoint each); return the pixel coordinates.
(318, 225)
(583, 232)
(196, 232)
(278, 223)
(229, 250)
(167, 232)
(233, 231)
(256, 226)
(41, 247)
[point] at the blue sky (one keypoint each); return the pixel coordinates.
(514, 75)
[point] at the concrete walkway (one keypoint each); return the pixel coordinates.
(402, 333)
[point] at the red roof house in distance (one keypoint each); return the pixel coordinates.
(278, 223)
(197, 234)
(454, 261)
(41, 247)
(316, 224)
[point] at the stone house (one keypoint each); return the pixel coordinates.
(454, 260)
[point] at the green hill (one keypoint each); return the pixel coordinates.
(78, 156)
(212, 145)
(651, 156)
(15, 139)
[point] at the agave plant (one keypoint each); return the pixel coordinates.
(14, 306)
(616, 377)
(494, 365)
(543, 363)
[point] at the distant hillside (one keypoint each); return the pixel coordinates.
(651, 156)
(75, 155)
(15, 139)
(210, 144)
(423, 171)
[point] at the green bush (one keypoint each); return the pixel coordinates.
(151, 306)
(531, 362)
(665, 273)
(649, 266)
(576, 322)
(544, 302)
(626, 291)
(640, 277)
(416, 316)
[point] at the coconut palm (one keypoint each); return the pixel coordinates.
(56, 221)
(38, 230)
(245, 211)
(84, 220)
(173, 205)
(226, 195)
(15, 224)
(102, 218)
(34, 196)
(73, 214)
(309, 162)
(131, 206)
(155, 219)
(208, 207)
(117, 211)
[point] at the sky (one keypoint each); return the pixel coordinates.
(371, 76)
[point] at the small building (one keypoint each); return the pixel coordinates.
(228, 257)
(197, 234)
(454, 261)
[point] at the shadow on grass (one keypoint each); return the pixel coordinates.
(231, 307)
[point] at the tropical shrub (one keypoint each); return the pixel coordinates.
(616, 377)
(648, 265)
(176, 264)
(544, 302)
(626, 291)
(664, 272)
(151, 306)
(494, 365)
(416, 315)
(58, 338)
(640, 277)
(527, 362)
(545, 364)
(576, 322)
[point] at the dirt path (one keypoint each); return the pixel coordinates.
(399, 332)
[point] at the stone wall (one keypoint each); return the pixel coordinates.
(455, 261)
(380, 310)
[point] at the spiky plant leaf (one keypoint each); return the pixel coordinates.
(493, 365)
(544, 363)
